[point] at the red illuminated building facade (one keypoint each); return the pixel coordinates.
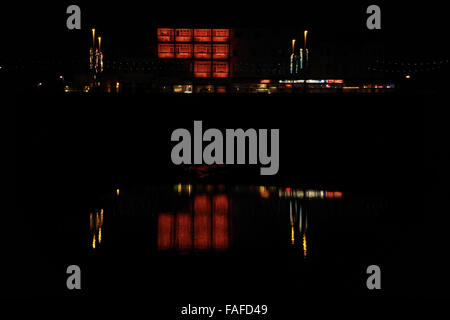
(207, 51)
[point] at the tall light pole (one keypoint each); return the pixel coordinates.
(93, 38)
(305, 35)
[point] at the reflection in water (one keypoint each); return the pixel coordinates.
(199, 218)
(200, 230)
(96, 229)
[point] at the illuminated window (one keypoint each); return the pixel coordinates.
(202, 51)
(183, 50)
(202, 35)
(220, 51)
(202, 69)
(165, 34)
(221, 35)
(183, 35)
(165, 50)
(220, 69)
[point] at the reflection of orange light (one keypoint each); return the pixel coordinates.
(292, 235)
(338, 194)
(220, 222)
(165, 231)
(304, 245)
(100, 235)
(202, 222)
(93, 242)
(183, 231)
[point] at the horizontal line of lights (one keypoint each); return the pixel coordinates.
(313, 81)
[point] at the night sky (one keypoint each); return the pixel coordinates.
(394, 146)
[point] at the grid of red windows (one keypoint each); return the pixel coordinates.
(205, 46)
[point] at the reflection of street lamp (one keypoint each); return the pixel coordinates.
(100, 44)
(293, 46)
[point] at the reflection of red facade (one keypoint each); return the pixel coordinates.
(183, 235)
(220, 222)
(165, 34)
(221, 35)
(220, 51)
(206, 228)
(220, 69)
(202, 222)
(183, 35)
(202, 51)
(165, 231)
(165, 50)
(202, 35)
(184, 50)
(202, 69)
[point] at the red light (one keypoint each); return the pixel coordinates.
(220, 51)
(165, 50)
(220, 222)
(221, 35)
(220, 69)
(202, 222)
(183, 232)
(265, 81)
(202, 69)
(288, 190)
(288, 85)
(165, 34)
(202, 51)
(183, 50)
(183, 35)
(202, 35)
(165, 231)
